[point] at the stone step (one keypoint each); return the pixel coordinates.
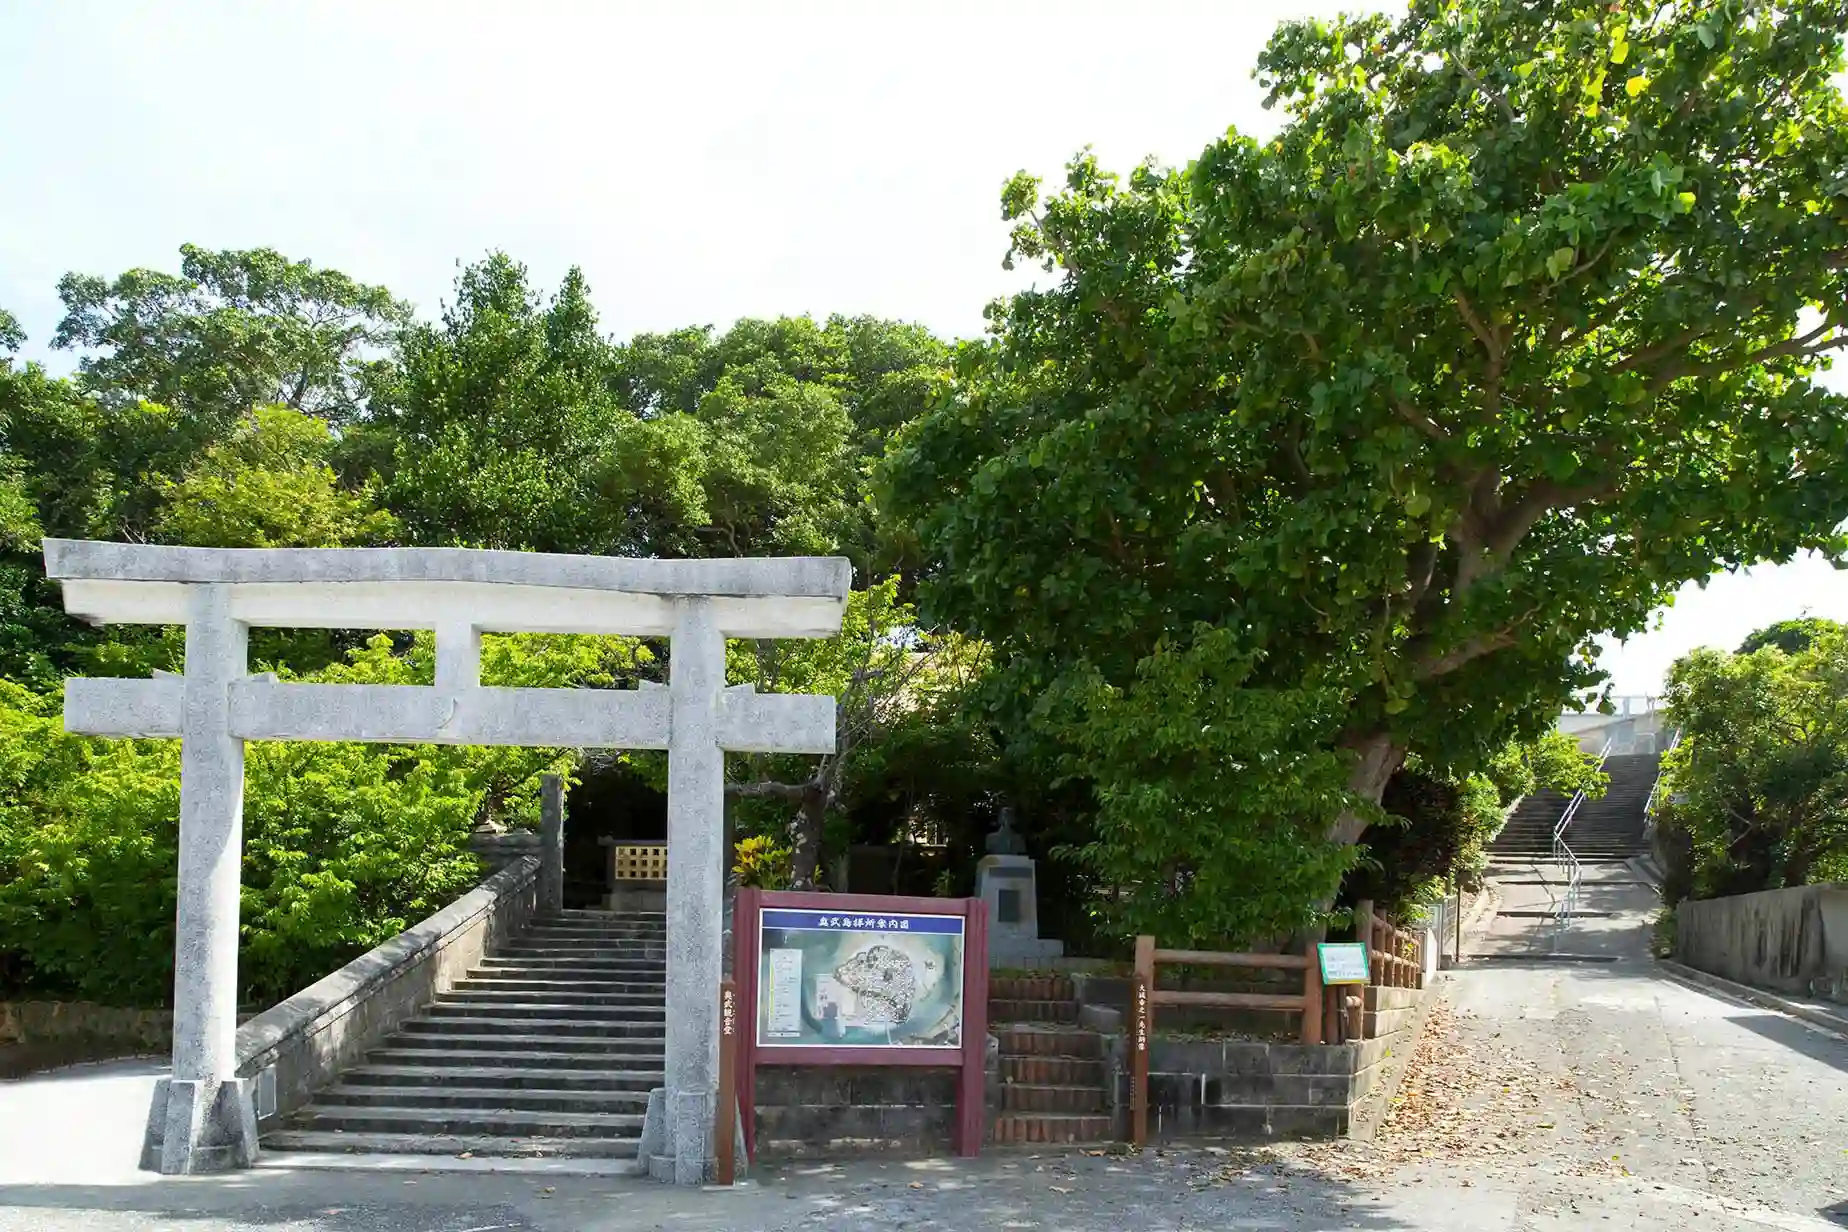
(521, 1073)
(1025, 1097)
(1052, 1071)
(497, 983)
(587, 916)
(472, 1006)
(516, 1050)
(1020, 1127)
(1003, 1011)
(533, 1028)
(470, 993)
(563, 968)
(486, 1122)
(484, 1098)
(371, 1143)
(589, 937)
(650, 952)
(1050, 1041)
(1031, 988)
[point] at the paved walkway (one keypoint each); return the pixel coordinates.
(1547, 1094)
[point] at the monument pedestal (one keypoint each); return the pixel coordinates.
(1006, 884)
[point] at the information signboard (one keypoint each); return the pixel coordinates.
(859, 979)
(1343, 962)
(856, 979)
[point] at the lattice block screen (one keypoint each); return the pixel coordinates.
(647, 863)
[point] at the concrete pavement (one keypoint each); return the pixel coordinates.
(1548, 1093)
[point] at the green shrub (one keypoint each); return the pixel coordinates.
(345, 845)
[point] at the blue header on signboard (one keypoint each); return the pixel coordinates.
(861, 921)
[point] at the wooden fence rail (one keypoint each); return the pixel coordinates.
(1147, 995)
(1397, 954)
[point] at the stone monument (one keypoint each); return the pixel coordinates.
(1004, 880)
(203, 1117)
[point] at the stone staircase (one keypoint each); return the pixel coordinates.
(1609, 828)
(549, 1048)
(1054, 1073)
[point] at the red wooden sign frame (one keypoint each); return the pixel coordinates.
(970, 1059)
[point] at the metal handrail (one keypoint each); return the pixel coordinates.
(1563, 853)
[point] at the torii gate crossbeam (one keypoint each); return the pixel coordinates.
(203, 1118)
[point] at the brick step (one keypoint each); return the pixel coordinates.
(547, 987)
(1052, 1071)
(480, 1099)
(486, 1122)
(555, 1052)
(1020, 1127)
(1031, 988)
(533, 1028)
(1002, 1011)
(1024, 1097)
(1049, 1041)
(373, 1143)
(470, 992)
(471, 1006)
(508, 1077)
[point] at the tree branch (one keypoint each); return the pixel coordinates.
(1800, 347)
(1489, 91)
(1427, 668)
(773, 791)
(1419, 420)
(1475, 324)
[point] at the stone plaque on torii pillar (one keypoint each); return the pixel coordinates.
(203, 1118)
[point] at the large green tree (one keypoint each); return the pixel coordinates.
(1506, 334)
(232, 330)
(1758, 784)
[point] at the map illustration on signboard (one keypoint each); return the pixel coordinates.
(859, 980)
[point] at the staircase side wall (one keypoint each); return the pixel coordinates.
(1791, 941)
(301, 1045)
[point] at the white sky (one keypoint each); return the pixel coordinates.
(701, 162)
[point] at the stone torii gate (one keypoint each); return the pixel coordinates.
(203, 1118)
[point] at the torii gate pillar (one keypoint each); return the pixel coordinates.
(202, 1118)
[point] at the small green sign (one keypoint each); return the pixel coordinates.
(1343, 962)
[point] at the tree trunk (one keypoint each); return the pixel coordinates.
(805, 838)
(1379, 760)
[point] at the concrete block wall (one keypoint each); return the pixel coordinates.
(1243, 1089)
(295, 1048)
(1792, 941)
(805, 1110)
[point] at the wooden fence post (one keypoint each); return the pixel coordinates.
(1142, 1011)
(1363, 933)
(1312, 997)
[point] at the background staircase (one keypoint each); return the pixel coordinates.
(1052, 1070)
(1609, 828)
(549, 1048)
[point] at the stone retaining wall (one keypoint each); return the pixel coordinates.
(37, 1035)
(302, 1044)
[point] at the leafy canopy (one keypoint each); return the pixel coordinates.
(1508, 333)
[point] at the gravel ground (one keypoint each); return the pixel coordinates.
(1545, 1094)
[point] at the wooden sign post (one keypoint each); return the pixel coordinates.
(725, 1125)
(862, 979)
